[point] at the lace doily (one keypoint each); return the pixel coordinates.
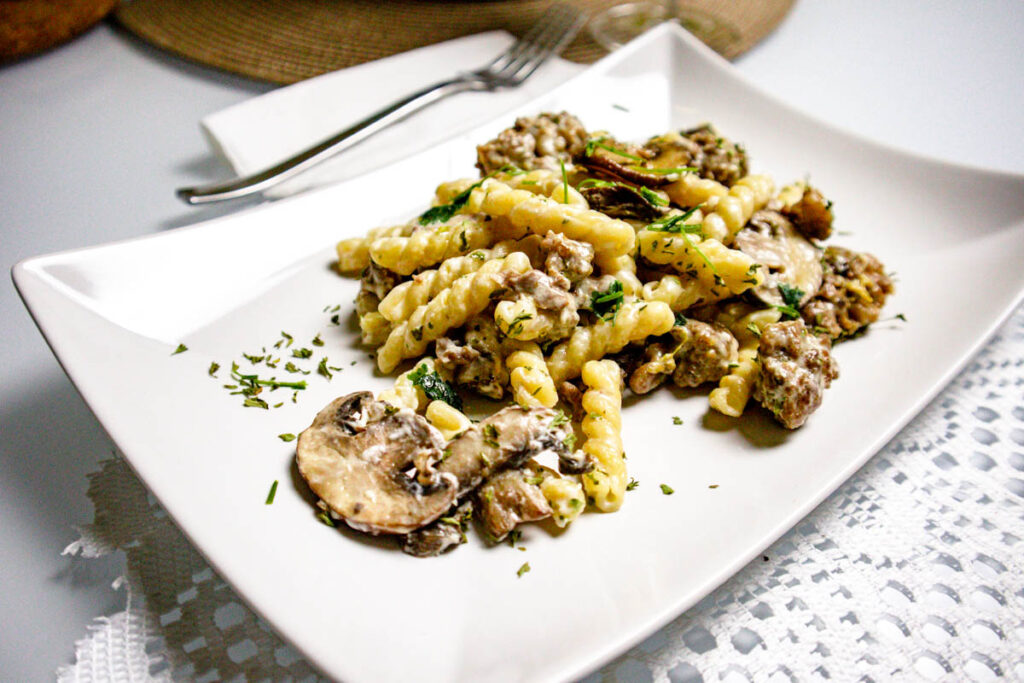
(911, 570)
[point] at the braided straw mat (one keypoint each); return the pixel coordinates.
(284, 41)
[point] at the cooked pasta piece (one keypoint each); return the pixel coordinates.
(451, 308)
(605, 485)
(692, 190)
(623, 269)
(449, 420)
(565, 496)
(734, 209)
(532, 386)
(374, 328)
(404, 255)
(550, 184)
(633, 322)
(709, 261)
(519, 319)
(734, 390)
(354, 253)
(405, 394)
(540, 215)
(405, 298)
(682, 293)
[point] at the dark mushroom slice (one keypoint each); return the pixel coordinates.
(440, 535)
(608, 158)
(790, 264)
(619, 200)
(510, 498)
(359, 457)
(506, 439)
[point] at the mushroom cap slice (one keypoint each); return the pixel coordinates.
(357, 456)
(506, 439)
(786, 257)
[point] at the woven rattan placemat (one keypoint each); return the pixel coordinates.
(284, 41)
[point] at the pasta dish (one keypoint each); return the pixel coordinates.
(576, 267)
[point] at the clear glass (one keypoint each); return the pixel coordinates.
(619, 24)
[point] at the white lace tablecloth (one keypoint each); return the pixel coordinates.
(912, 570)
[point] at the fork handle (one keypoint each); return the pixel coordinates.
(321, 152)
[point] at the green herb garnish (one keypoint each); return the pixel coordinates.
(214, 367)
(522, 570)
(445, 212)
(791, 297)
(606, 304)
(565, 183)
(677, 223)
(273, 492)
(676, 420)
(666, 489)
(181, 349)
(434, 387)
(652, 197)
(633, 483)
(286, 437)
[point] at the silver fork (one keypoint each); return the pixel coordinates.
(548, 36)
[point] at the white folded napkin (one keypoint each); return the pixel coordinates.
(261, 131)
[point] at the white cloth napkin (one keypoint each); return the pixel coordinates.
(262, 131)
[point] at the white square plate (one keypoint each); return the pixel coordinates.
(359, 608)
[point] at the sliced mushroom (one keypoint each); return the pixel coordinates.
(359, 457)
(623, 161)
(506, 439)
(786, 258)
(510, 498)
(446, 532)
(619, 200)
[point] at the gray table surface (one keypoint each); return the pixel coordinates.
(95, 135)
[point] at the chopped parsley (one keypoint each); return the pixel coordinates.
(522, 570)
(302, 353)
(273, 492)
(286, 437)
(445, 212)
(791, 301)
(181, 349)
(666, 489)
(652, 197)
(434, 387)
(633, 483)
(606, 304)
(676, 420)
(680, 320)
(214, 367)
(678, 224)
(516, 326)
(565, 183)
